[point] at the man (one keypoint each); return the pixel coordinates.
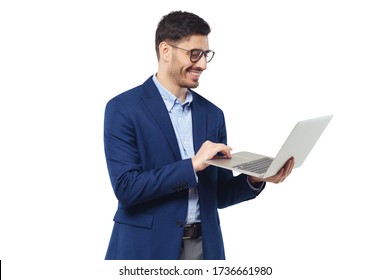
(157, 137)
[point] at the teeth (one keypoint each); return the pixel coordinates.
(195, 73)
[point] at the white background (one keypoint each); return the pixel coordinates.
(276, 62)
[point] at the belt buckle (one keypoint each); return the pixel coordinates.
(187, 227)
(193, 228)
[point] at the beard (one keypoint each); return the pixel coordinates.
(182, 78)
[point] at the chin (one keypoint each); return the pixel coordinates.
(190, 85)
(193, 84)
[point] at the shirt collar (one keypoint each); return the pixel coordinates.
(169, 99)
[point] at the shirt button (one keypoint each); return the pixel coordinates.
(179, 223)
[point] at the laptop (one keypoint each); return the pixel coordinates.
(299, 143)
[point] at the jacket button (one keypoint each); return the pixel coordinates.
(179, 223)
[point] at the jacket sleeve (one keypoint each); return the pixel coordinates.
(131, 183)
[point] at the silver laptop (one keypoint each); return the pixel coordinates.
(299, 143)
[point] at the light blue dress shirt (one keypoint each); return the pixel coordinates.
(181, 118)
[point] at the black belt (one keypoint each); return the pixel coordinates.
(192, 231)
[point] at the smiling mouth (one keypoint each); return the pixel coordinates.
(195, 73)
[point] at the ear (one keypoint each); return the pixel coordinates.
(165, 51)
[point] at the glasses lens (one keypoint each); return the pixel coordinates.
(196, 55)
(209, 56)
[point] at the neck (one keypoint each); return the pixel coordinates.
(177, 91)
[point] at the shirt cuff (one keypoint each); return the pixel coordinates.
(196, 177)
(256, 187)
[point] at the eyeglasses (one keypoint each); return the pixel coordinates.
(196, 54)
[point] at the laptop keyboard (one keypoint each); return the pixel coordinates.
(257, 166)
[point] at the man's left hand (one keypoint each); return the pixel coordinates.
(279, 177)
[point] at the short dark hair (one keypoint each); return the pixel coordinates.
(178, 25)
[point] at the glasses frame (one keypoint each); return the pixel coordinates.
(202, 53)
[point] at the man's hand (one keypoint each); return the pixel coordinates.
(278, 177)
(208, 151)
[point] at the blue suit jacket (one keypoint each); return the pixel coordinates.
(151, 181)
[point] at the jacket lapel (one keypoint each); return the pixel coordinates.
(153, 101)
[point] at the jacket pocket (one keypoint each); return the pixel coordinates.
(138, 220)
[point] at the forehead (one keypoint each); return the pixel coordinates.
(195, 42)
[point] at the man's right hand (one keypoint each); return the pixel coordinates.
(208, 151)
